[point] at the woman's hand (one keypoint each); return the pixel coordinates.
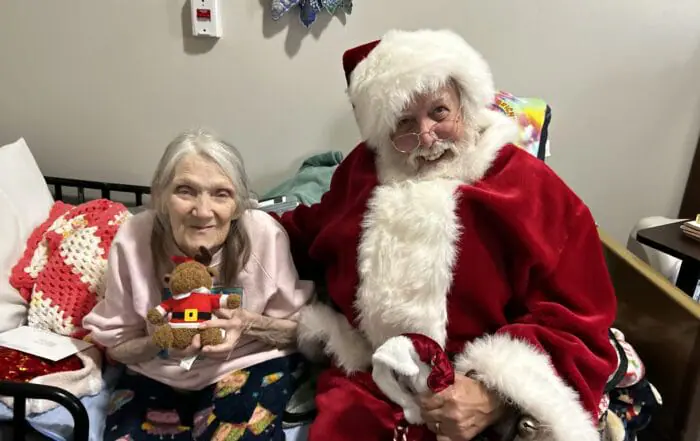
(462, 411)
(193, 349)
(231, 321)
(277, 332)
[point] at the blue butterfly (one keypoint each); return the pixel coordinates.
(309, 11)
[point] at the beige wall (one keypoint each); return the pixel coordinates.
(99, 87)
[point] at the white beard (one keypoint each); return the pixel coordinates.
(441, 160)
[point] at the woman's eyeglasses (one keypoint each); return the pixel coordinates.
(440, 131)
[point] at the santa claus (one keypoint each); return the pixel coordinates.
(467, 286)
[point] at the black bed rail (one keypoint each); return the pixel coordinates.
(106, 188)
(23, 391)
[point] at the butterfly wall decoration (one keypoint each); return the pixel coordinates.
(309, 9)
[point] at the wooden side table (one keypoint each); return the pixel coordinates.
(670, 239)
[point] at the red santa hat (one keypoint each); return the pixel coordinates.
(352, 57)
(384, 75)
(420, 362)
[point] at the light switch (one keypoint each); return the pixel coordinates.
(206, 18)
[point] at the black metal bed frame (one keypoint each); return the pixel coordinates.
(106, 188)
(20, 392)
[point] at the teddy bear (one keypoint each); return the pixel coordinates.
(178, 318)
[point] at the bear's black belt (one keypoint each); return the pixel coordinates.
(198, 316)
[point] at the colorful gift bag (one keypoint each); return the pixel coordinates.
(533, 116)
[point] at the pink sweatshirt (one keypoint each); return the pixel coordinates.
(270, 287)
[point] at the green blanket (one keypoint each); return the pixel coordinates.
(311, 181)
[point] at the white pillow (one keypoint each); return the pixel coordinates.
(25, 202)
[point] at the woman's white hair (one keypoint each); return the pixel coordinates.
(227, 157)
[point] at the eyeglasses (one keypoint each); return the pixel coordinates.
(440, 131)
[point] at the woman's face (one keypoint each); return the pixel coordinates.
(201, 204)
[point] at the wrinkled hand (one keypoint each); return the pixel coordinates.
(231, 321)
(462, 411)
(193, 349)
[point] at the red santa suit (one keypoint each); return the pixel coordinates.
(497, 261)
(189, 309)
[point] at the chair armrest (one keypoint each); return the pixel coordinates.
(20, 392)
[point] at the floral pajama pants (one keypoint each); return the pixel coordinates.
(246, 405)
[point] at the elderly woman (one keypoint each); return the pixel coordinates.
(238, 389)
(468, 287)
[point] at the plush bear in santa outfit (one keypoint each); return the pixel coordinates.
(192, 303)
(438, 228)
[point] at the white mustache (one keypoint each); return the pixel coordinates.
(438, 146)
(437, 149)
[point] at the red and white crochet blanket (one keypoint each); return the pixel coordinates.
(61, 275)
(62, 271)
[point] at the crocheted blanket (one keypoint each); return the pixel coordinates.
(61, 275)
(62, 271)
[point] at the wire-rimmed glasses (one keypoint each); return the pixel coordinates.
(440, 131)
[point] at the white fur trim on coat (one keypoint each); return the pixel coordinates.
(397, 359)
(405, 260)
(525, 376)
(321, 329)
(406, 63)
(495, 131)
